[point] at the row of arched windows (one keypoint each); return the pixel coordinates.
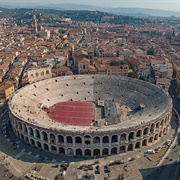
(88, 152)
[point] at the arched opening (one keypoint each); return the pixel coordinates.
(44, 136)
(53, 149)
(160, 134)
(19, 126)
(37, 134)
(17, 133)
(87, 143)
(31, 133)
(60, 139)
(139, 133)
(157, 125)
(144, 143)
(38, 144)
(87, 152)
(156, 137)
(70, 152)
(96, 140)
(87, 140)
(114, 150)
(114, 139)
(22, 136)
(152, 128)
(131, 136)
(138, 145)
(130, 147)
(61, 151)
(32, 143)
(162, 122)
(46, 147)
(26, 139)
(151, 139)
(105, 139)
(78, 152)
(87, 137)
(25, 129)
(122, 149)
(69, 139)
(52, 138)
(78, 140)
(105, 152)
(123, 137)
(145, 132)
(164, 131)
(96, 152)
(42, 73)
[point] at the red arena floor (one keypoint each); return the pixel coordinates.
(76, 113)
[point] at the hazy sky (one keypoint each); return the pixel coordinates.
(152, 4)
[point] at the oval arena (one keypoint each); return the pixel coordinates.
(90, 115)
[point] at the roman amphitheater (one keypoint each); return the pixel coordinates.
(90, 115)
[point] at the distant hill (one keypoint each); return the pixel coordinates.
(120, 11)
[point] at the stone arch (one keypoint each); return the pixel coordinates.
(139, 133)
(105, 139)
(87, 140)
(96, 152)
(157, 125)
(164, 131)
(156, 137)
(26, 139)
(96, 140)
(87, 152)
(69, 139)
(70, 152)
(44, 136)
(38, 145)
(78, 140)
(78, 152)
(114, 139)
(162, 122)
(22, 136)
(114, 150)
(19, 126)
(130, 147)
(60, 138)
(47, 72)
(52, 138)
(131, 136)
(138, 145)
(144, 143)
(31, 132)
(151, 139)
(53, 149)
(37, 134)
(25, 128)
(61, 150)
(146, 131)
(160, 134)
(32, 142)
(42, 73)
(122, 149)
(46, 147)
(105, 152)
(152, 128)
(123, 137)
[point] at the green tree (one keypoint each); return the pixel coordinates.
(62, 31)
(150, 51)
(132, 74)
